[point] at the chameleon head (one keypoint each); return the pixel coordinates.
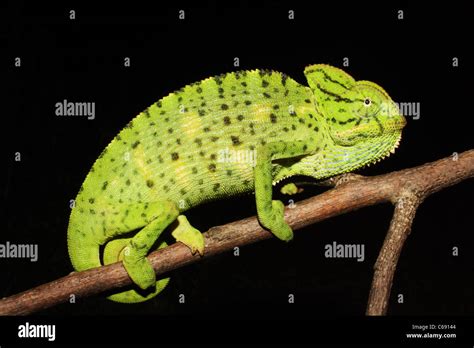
(356, 112)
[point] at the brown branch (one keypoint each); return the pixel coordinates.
(406, 189)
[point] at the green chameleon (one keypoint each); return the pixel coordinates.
(239, 132)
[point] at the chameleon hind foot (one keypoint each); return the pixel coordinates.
(188, 235)
(113, 252)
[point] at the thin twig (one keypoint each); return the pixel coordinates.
(346, 197)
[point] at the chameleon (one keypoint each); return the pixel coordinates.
(235, 133)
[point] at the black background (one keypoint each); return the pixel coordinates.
(82, 60)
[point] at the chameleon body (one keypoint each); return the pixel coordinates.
(226, 135)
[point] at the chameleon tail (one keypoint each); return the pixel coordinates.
(85, 254)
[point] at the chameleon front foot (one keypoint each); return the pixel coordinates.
(289, 189)
(275, 222)
(188, 235)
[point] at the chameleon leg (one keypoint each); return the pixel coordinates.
(152, 218)
(134, 254)
(270, 213)
(188, 235)
(112, 253)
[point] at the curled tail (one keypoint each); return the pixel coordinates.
(84, 252)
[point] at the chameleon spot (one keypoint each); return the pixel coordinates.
(240, 117)
(248, 102)
(235, 140)
(135, 144)
(104, 185)
(112, 160)
(273, 118)
(276, 107)
(246, 182)
(285, 129)
(148, 161)
(207, 129)
(235, 103)
(216, 187)
(218, 80)
(301, 120)
(244, 84)
(170, 130)
(201, 112)
(129, 124)
(200, 182)
(182, 191)
(162, 175)
(212, 167)
(202, 153)
(310, 125)
(199, 90)
(284, 77)
(245, 92)
(229, 172)
(91, 200)
(174, 156)
(147, 113)
(166, 188)
(276, 90)
(307, 101)
(310, 115)
(220, 90)
(293, 127)
(198, 141)
(151, 124)
(178, 141)
(143, 215)
(227, 120)
(213, 156)
(201, 190)
(264, 83)
(252, 147)
(286, 93)
(119, 137)
(333, 120)
(214, 138)
(127, 182)
(150, 183)
(160, 159)
(158, 103)
(305, 147)
(263, 142)
(162, 112)
(233, 88)
(81, 210)
(252, 132)
(92, 211)
(266, 95)
(203, 104)
(194, 170)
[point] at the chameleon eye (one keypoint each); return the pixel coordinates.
(367, 102)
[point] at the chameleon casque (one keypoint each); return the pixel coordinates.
(169, 159)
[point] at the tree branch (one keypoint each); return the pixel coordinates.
(406, 189)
